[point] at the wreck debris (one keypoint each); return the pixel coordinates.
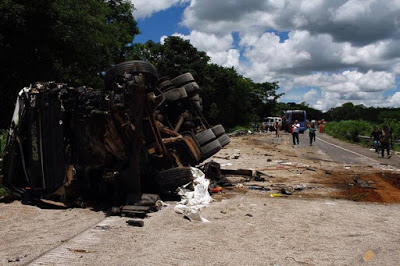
(194, 200)
(288, 190)
(137, 223)
(139, 136)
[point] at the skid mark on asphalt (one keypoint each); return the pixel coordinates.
(74, 250)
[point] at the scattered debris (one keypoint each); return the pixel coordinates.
(217, 190)
(288, 190)
(369, 255)
(102, 227)
(300, 187)
(193, 201)
(275, 195)
(362, 183)
(225, 158)
(16, 259)
(236, 154)
(137, 223)
(80, 250)
(253, 187)
(250, 174)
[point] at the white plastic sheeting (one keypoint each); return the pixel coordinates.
(193, 201)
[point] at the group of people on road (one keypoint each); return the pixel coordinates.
(296, 130)
(381, 140)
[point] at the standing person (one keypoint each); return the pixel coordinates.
(295, 132)
(375, 134)
(385, 141)
(276, 127)
(311, 133)
(321, 128)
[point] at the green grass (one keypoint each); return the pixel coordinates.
(349, 131)
(3, 138)
(3, 191)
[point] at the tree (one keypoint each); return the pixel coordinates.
(176, 56)
(228, 97)
(70, 41)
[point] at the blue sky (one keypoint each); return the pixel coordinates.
(162, 23)
(323, 52)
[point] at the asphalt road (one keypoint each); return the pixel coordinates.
(347, 153)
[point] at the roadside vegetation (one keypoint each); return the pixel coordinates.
(3, 191)
(3, 138)
(353, 130)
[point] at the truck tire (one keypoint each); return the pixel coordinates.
(224, 140)
(195, 97)
(183, 79)
(218, 130)
(191, 87)
(135, 66)
(175, 94)
(166, 85)
(204, 137)
(169, 180)
(210, 149)
(198, 106)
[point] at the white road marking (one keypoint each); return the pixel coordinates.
(390, 167)
(345, 149)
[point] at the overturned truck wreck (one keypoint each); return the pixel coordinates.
(140, 135)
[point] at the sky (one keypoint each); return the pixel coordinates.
(322, 52)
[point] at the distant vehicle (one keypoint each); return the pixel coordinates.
(293, 115)
(269, 122)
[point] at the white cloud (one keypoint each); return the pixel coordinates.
(207, 41)
(354, 21)
(342, 50)
(394, 100)
(145, 9)
(310, 96)
(217, 47)
(348, 86)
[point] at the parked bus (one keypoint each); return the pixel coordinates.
(293, 115)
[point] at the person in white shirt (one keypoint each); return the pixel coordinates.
(295, 132)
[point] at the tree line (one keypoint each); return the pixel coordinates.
(75, 42)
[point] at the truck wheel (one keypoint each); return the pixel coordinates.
(135, 66)
(195, 97)
(175, 94)
(193, 147)
(182, 79)
(218, 130)
(210, 149)
(224, 140)
(173, 178)
(166, 85)
(191, 87)
(198, 106)
(204, 137)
